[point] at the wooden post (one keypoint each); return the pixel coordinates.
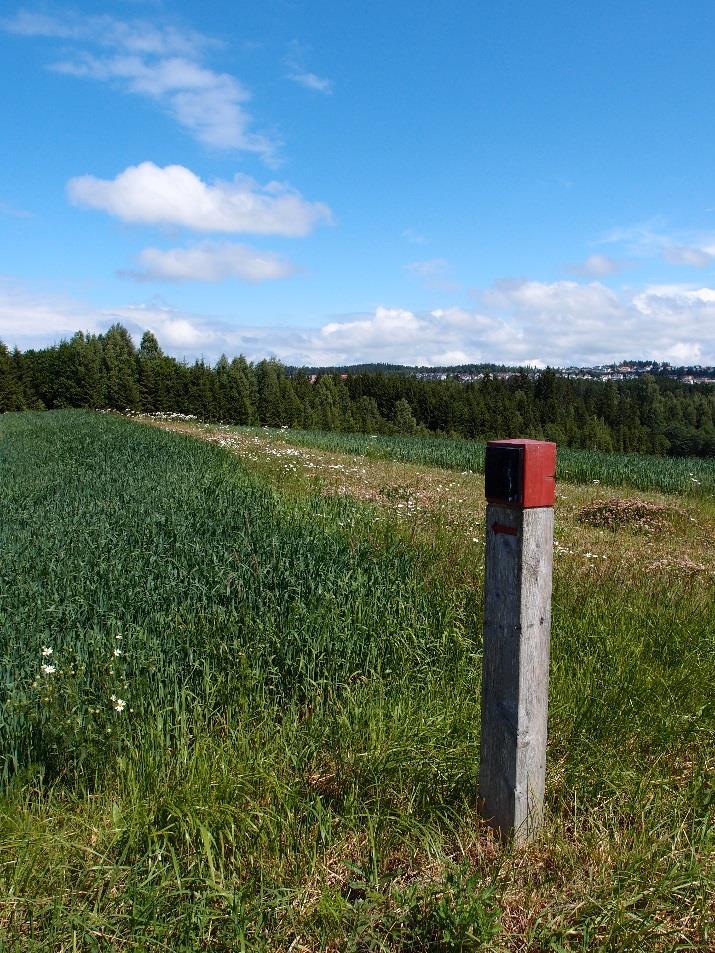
(520, 482)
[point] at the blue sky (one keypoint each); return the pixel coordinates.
(337, 182)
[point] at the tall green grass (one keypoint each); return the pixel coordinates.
(295, 761)
(158, 548)
(692, 476)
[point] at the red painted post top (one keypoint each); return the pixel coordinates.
(520, 473)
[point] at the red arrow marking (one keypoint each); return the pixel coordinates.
(508, 530)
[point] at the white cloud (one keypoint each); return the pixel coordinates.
(530, 322)
(34, 318)
(413, 236)
(177, 333)
(402, 336)
(434, 273)
(687, 255)
(174, 195)
(311, 81)
(429, 268)
(138, 36)
(165, 76)
(597, 266)
(662, 302)
(387, 324)
(211, 261)
(560, 303)
(645, 240)
(180, 333)
(586, 324)
(207, 103)
(653, 239)
(12, 212)
(519, 322)
(302, 76)
(159, 61)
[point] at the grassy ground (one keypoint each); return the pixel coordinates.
(689, 476)
(615, 532)
(261, 727)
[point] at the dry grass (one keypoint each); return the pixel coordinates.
(618, 513)
(597, 535)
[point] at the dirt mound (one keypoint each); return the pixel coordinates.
(627, 513)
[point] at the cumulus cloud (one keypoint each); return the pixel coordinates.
(560, 301)
(179, 334)
(173, 195)
(567, 322)
(536, 323)
(445, 335)
(31, 318)
(211, 261)
(518, 322)
(159, 61)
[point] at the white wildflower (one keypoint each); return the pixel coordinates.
(117, 653)
(119, 704)
(48, 669)
(46, 652)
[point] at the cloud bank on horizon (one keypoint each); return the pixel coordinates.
(635, 290)
(520, 323)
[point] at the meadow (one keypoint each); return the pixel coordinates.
(690, 476)
(241, 713)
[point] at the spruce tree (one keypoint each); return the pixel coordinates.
(119, 362)
(403, 417)
(270, 405)
(11, 397)
(151, 367)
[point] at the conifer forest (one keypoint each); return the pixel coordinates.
(652, 415)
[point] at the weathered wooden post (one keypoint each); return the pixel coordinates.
(520, 490)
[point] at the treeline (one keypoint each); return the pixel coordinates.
(648, 415)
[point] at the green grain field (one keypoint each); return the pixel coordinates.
(237, 714)
(686, 476)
